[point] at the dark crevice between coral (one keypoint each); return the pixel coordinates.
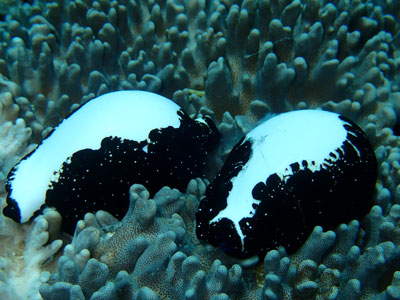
(385, 280)
(396, 129)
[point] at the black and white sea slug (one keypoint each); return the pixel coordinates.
(91, 158)
(293, 172)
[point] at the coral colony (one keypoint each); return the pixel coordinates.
(252, 105)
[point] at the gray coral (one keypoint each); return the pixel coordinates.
(116, 260)
(148, 255)
(338, 55)
(238, 61)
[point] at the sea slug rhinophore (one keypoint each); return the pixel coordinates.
(90, 160)
(292, 172)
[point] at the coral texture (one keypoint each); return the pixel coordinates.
(237, 61)
(27, 252)
(149, 254)
(222, 55)
(154, 252)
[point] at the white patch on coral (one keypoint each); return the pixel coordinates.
(25, 254)
(14, 141)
